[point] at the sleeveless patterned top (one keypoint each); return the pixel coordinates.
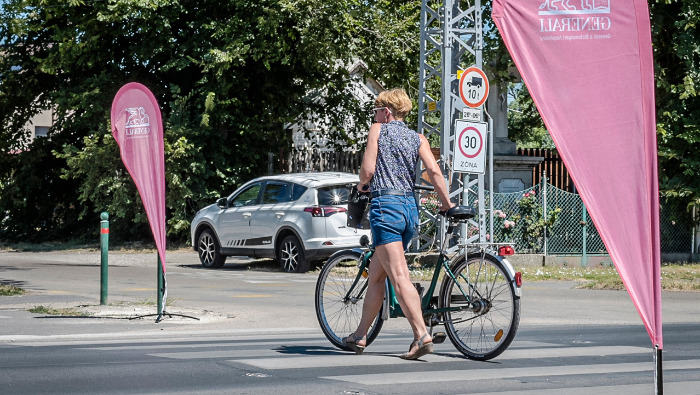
(396, 158)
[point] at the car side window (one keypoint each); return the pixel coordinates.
(248, 197)
(275, 193)
(297, 191)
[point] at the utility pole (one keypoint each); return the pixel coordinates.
(451, 40)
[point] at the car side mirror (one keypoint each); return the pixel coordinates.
(222, 203)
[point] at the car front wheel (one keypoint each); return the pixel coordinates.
(290, 255)
(209, 250)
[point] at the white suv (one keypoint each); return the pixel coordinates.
(294, 218)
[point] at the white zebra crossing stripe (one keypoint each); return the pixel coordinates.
(271, 281)
(686, 387)
(505, 373)
(368, 358)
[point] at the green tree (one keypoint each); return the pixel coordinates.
(525, 126)
(228, 75)
(676, 41)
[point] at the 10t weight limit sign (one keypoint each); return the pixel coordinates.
(470, 147)
(473, 87)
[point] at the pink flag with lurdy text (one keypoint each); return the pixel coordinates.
(588, 66)
(138, 128)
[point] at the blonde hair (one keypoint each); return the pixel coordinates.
(397, 100)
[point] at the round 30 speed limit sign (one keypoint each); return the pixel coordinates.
(470, 147)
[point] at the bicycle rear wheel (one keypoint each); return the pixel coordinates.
(338, 303)
(489, 314)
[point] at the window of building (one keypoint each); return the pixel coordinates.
(41, 131)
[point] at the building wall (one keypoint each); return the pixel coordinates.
(40, 123)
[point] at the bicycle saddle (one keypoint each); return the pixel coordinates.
(460, 213)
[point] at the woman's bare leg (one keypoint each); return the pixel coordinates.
(373, 299)
(393, 260)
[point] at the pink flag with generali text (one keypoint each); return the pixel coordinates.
(138, 128)
(588, 66)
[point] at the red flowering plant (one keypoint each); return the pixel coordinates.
(505, 226)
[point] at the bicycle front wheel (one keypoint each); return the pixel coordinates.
(488, 309)
(339, 302)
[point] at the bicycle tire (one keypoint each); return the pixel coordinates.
(485, 329)
(339, 317)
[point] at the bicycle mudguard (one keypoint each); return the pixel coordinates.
(510, 271)
(357, 251)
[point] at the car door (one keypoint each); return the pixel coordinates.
(234, 221)
(274, 204)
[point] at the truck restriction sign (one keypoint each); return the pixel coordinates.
(469, 148)
(473, 87)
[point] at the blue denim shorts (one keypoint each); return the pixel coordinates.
(393, 218)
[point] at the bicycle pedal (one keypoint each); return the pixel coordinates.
(439, 337)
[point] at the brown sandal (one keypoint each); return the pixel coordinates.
(423, 349)
(351, 343)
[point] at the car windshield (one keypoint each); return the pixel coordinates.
(333, 195)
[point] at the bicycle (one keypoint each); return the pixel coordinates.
(478, 302)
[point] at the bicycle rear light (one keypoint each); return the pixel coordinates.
(518, 279)
(318, 211)
(506, 251)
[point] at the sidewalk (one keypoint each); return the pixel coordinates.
(71, 281)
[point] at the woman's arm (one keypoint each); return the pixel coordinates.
(369, 160)
(434, 172)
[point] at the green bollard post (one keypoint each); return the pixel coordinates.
(104, 246)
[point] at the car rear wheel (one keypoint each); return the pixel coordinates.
(290, 255)
(209, 250)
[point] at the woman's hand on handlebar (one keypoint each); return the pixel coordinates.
(445, 207)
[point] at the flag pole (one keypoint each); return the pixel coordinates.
(160, 289)
(658, 371)
(162, 293)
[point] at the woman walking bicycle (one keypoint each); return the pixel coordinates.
(388, 173)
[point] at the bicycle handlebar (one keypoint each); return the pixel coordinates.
(424, 187)
(457, 213)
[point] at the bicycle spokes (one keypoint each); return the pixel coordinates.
(481, 310)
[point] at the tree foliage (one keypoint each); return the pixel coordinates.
(676, 43)
(229, 76)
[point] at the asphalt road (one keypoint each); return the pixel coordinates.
(237, 330)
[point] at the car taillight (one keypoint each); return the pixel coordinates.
(320, 211)
(506, 251)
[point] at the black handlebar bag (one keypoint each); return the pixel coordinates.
(358, 209)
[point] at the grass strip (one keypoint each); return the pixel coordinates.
(64, 312)
(10, 290)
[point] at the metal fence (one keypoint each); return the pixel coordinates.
(316, 160)
(572, 232)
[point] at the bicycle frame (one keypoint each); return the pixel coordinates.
(477, 301)
(392, 309)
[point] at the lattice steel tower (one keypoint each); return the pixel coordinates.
(451, 40)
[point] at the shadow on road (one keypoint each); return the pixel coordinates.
(308, 350)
